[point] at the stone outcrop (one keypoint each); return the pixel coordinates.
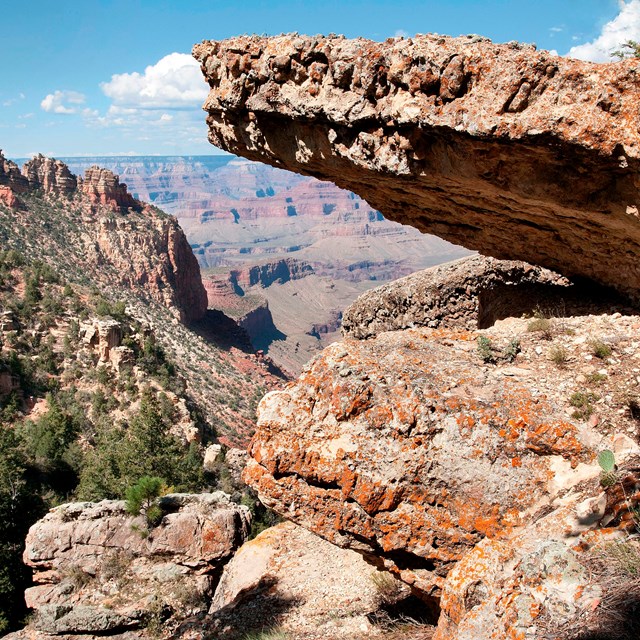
(467, 475)
(11, 177)
(50, 175)
(266, 274)
(514, 152)
(9, 198)
(103, 187)
(472, 293)
(97, 572)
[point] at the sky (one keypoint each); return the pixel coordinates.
(115, 77)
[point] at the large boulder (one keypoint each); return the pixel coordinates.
(289, 578)
(99, 570)
(428, 455)
(517, 153)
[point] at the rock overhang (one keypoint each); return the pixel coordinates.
(514, 152)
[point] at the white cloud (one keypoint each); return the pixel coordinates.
(401, 33)
(625, 26)
(65, 102)
(174, 82)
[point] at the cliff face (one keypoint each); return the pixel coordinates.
(500, 148)
(50, 175)
(104, 229)
(103, 187)
(266, 274)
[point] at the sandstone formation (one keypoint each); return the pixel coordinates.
(514, 152)
(103, 187)
(11, 177)
(96, 572)
(146, 249)
(9, 198)
(467, 475)
(50, 175)
(471, 293)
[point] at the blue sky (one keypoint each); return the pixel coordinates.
(101, 77)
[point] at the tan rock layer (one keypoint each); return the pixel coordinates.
(501, 148)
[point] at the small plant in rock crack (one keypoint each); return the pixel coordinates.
(607, 463)
(485, 349)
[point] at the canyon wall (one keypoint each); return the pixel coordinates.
(142, 247)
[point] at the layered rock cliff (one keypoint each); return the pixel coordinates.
(50, 175)
(515, 152)
(101, 227)
(102, 186)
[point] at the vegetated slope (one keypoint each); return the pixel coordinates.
(100, 381)
(138, 255)
(248, 217)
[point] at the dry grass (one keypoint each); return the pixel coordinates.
(615, 566)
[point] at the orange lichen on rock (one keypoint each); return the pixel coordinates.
(377, 449)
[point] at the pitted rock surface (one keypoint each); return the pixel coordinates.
(475, 482)
(404, 448)
(514, 152)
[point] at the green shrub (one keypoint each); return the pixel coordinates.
(583, 402)
(143, 496)
(512, 350)
(558, 355)
(484, 349)
(600, 349)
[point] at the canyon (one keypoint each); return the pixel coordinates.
(468, 454)
(280, 253)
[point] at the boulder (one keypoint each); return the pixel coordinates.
(99, 570)
(291, 578)
(472, 293)
(517, 153)
(470, 475)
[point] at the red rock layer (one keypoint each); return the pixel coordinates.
(103, 187)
